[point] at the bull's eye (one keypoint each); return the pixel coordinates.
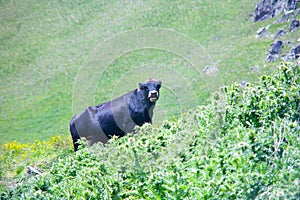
(158, 86)
(144, 87)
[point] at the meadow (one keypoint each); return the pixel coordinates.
(44, 45)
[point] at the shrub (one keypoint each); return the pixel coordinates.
(250, 152)
(16, 156)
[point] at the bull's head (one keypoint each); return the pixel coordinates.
(151, 89)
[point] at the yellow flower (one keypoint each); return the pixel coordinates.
(15, 147)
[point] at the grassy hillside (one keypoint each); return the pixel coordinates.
(57, 57)
(43, 46)
(250, 150)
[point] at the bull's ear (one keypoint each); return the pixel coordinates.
(159, 83)
(140, 86)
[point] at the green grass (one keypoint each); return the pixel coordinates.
(43, 44)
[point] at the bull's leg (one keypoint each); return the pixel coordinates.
(74, 134)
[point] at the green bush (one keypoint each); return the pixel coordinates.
(248, 151)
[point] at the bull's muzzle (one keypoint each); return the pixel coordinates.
(153, 96)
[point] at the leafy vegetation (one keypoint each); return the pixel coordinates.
(248, 150)
(16, 156)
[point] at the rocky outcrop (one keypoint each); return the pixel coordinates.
(294, 53)
(267, 9)
(280, 33)
(286, 11)
(275, 50)
(294, 25)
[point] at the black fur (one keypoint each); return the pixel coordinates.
(121, 115)
(74, 134)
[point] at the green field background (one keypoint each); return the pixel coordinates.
(43, 44)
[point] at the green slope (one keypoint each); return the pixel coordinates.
(43, 44)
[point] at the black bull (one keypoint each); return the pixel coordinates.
(116, 117)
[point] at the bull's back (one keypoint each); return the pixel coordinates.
(111, 117)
